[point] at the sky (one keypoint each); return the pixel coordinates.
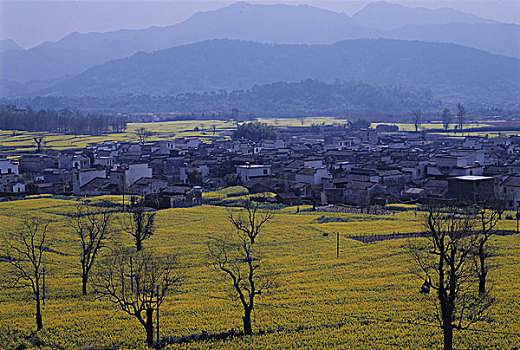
(30, 23)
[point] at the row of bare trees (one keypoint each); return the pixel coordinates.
(454, 257)
(135, 279)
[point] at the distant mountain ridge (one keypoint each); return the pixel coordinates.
(384, 15)
(261, 23)
(450, 71)
(9, 45)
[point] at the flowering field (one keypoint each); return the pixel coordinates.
(203, 130)
(365, 299)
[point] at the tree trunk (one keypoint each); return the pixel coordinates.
(149, 327)
(138, 244)
(39, 322)
(248, 330)
(483, 272)
(84, 280)
(448, 337)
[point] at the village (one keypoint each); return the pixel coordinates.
(363, 168)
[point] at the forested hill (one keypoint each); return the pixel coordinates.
(309, 97)
(451, 72)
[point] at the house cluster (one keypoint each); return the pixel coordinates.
(358, 168)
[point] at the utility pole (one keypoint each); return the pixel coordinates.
(337, 244)
(517, 217)
(158, 315)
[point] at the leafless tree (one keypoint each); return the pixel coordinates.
(461, 113)
(446, 257)
(488, 219)
(240, 260)
(38, 140)
(250, 223)
(446, 118)
(302, 120)
(24, 249)
(137, 282)
(416, 117)
(93, 227)
(139, 223)
(142, 134)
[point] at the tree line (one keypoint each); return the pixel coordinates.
(289, 99)
(66, 121)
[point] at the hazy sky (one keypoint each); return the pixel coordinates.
(32, 22)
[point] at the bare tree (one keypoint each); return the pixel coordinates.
(461, 113)
(240, 261)
(24, 249)
(93, 228)
(302, 120)
(488, 220)
(38, 140)
(446, 118)
(251, 222)
(446, 257)
(137, 282)
(142, 134)
(139, 223)
(416, 117)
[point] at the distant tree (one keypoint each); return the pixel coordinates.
(446, 256)
(214, 127)
(231, 179)
(416, 118)
(25, 249)
(39, 142)
(302, 120)
(461, 113)
(93, 227)
(138, 222)
(255, 131)
(194, 177)
(142, 134)
(358, 124)
(137, 282)
(446, 118)
(241, 261)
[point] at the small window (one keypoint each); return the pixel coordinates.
(9, 171)
(265, 171)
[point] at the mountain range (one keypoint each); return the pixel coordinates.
(272, 43)
(298, 24)
(451, 72)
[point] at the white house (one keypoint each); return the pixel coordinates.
(8, 166)
(313, 176)
(245, 172)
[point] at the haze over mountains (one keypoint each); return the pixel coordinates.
(109, 63)
(450, 71)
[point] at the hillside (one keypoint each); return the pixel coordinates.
(451, 72)
(366, 298)
(282, 24)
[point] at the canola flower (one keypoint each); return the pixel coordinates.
(365, 299)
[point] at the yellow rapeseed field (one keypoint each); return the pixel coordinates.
(365, 299)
